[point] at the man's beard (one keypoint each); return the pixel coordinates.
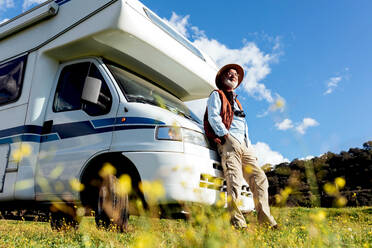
(230, 84)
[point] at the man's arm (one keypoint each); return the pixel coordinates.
(214, 117)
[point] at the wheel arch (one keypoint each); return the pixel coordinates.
(91, 180)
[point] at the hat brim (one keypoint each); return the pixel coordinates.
(220, 73)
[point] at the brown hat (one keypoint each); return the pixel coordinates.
(225, 68)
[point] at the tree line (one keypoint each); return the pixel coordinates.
(331, 180)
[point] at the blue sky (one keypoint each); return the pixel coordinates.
(308, 84)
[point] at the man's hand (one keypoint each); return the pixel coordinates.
(221, 140)
(217, 140)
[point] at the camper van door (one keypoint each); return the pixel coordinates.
(74, 130)
(13, 132)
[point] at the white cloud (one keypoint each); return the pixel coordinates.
(305, 124)
(5, 20)
(267, 156)
(309, 157)
(279, 104)
(284, 125)
(5, 4)
(255, 62)
(29, 3)
(179, 23)
(332, 84)
(299, 127)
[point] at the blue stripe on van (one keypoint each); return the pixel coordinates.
(29, 138)
(104, 122)
(31, 129)
(137, 120)
(32, 133)
(124, 121)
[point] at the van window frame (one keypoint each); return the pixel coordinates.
(91, 62)
(123, 91)
(24, 66)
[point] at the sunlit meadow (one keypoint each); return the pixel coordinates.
(207, 227)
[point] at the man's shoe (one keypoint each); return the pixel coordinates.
(275, 227)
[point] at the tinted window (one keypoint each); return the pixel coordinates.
(11, 78)
(70, 88)
(137, 89)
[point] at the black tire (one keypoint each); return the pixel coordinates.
(112, 211)
(60, 221)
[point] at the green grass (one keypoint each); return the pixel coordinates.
(208, 227)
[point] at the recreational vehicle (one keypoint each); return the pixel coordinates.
(92, 105)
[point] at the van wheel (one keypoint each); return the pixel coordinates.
(112, 207)
(60, 221)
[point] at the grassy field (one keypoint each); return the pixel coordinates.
(208, 227)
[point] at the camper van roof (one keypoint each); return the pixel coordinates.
(123, 31)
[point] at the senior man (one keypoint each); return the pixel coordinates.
(226, 127)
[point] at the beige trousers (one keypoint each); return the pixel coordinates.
(240, 161)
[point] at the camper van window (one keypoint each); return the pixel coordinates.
(70, 87)
(11, 78)
(165, 27)
(137, 89)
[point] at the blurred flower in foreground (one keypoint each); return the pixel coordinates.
(124, 185)
(278, 104)
(340, 182)
(24, 150)
(330, 189)
(248, 169)
(341, 201)
(107, 169)
(76, 185)
(318, 216)
(146, 240)
(56, 172)
(283, 196)
(43, 183)
(24, 184)
(333, 190)
(154, 190)
(222, 200)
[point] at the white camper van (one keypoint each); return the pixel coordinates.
(86, 84)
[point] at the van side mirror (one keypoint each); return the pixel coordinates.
(91, 90)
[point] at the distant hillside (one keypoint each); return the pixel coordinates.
(332, 180)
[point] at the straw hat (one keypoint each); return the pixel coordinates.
(225, 68)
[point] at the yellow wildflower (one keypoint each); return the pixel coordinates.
(340, 182)
(107, 169)
(76, 185)
(341, 201)
(24, 150)
(248, 169)
(154, 190)
(330, 189)
(24, 184)
(56, 172)
(319, 216)
(124, 185)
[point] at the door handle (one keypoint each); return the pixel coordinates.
(47, 127)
